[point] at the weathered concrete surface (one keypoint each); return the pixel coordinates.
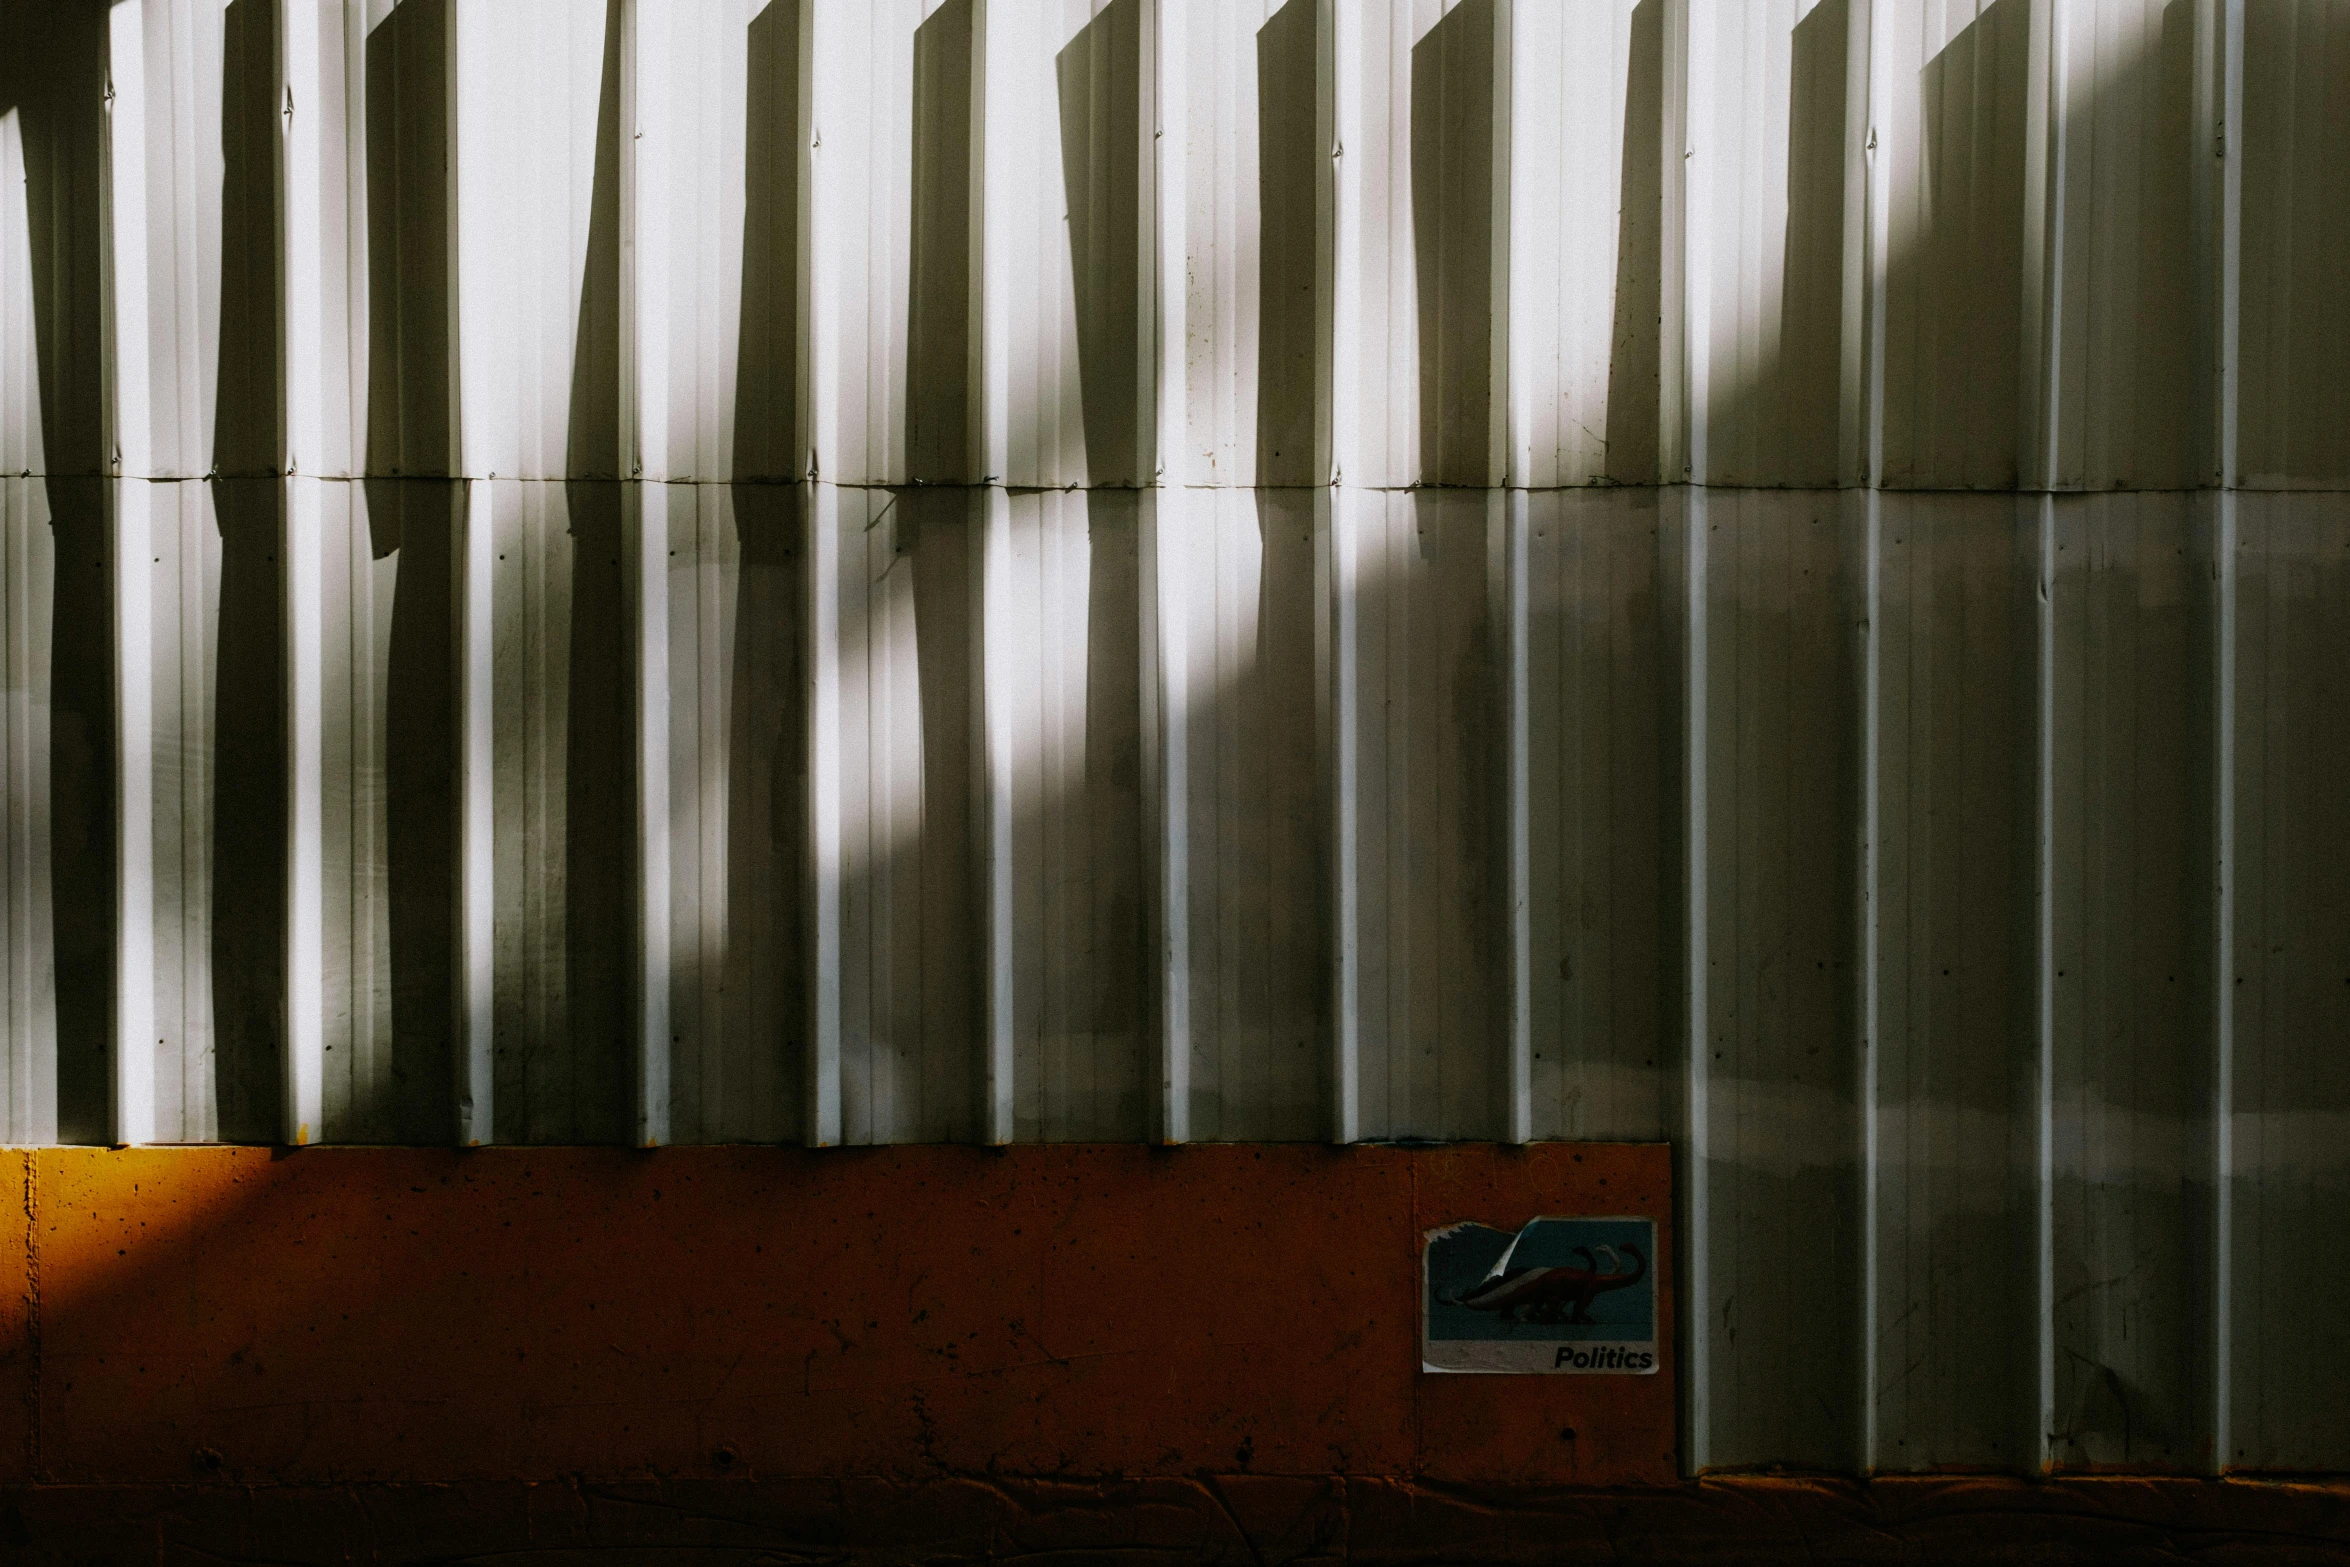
(368, 1316)
(1238, 1519)
(929, 1354)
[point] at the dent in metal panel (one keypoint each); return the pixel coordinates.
(1959, 89)
(1598, 816)
(737, 623)
(2294, 409)
(1068, 711)
(910, 951)
(1431, 1049)
(1585, 159)
(2129, 1062)
(1956, 1368)
(2289, 1184)
(1775, 740)
(2128, 408)
(1258, 906)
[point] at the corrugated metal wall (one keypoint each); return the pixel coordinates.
(1751, 571)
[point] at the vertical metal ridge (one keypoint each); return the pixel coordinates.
(824, 814)
(1166, 674)
(2044, 997)
(645, 518)
(827, 211)
(2230, 237)
(134, 960)
(2043, 360)
(644, 343)
(1681, 443)
(302, 1113)
(990, 693)
(1341, 75)
(1875, 272)
(126, 293)
(1327, 383)
(1497, 376)
(475, 1024)
(1680, 285)
(1343, 605)
(992, 738)
(1519, 793)
(1503, 446)
(1166, 808)
(1697, 1309)
(993, 93)
(1872, 739)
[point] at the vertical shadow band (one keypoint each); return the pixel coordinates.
(1291, 169)
(1103, 147)
(415, 510)
(599, 775)
(766, 816)
(1634, 343)
(1802, 403)
(769, 360)
(1115, 985)
(766, 956)
(942, 428)
(1454, 233)
(942, 530)
(248, 504)
(53, 73)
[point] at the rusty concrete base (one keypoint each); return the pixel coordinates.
(342, 1315)
(1239, 1519)
(904, 1354)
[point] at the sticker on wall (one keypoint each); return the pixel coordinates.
(1563, 1296)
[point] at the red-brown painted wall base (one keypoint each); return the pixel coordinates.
(418, 1315)
(910, 1354)
(1240, 1520)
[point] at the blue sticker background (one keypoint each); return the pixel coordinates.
(1459, 1260)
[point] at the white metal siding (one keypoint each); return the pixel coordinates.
(1768, 575)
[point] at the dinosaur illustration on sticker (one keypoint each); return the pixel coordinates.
(1559, 1295)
